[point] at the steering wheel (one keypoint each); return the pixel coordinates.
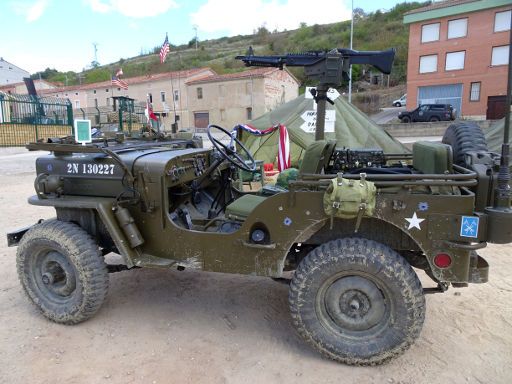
(229, 152)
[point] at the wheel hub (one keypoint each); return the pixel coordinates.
(57, 278)
(354, 303)
(47, 278)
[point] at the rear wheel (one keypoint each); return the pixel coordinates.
(357, 301)
(464, 137)
(434, 118)
(62, 271)
(397, 104)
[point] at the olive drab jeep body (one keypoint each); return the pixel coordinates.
(345, 233)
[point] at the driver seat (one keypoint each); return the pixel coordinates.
(243, 206)
(315, 158)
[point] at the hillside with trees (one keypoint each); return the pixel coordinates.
(372, 31)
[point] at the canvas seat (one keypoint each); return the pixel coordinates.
(243, 206)
(314, 161)
(432, 158)
(315, 157)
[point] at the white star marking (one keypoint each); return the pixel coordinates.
(414, 221)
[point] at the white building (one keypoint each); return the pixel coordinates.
(10, 74)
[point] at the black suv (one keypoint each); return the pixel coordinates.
(428, 112)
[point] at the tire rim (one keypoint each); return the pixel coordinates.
(54, 276)
(354, 305)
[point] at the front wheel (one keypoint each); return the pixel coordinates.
(357, 301)
(62, 271)
(406, 119)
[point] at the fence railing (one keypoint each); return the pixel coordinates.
(27, 109)
(26, 118)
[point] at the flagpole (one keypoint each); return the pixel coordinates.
(173, 102)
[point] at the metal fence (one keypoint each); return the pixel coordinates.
(107, 119)
(25, 118)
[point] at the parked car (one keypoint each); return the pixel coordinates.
(401, 101)
(428, 112)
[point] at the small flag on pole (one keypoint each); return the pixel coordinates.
(149, 112)
(164, 50)
(119, 83)
(116, 80)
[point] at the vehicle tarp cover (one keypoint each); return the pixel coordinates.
(352, 129)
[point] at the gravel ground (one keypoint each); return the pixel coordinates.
(189, 327)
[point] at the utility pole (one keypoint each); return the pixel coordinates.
(95, 45)
(195, 28)
(350, 71)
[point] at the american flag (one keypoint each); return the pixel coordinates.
(164, 50)
(119, 83)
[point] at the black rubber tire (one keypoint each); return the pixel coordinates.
(406, 119)
(464, 137)
(397, 104)
(434, 119)
(348, 275)
(62, 271)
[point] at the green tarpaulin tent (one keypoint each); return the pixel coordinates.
(494, 135)
(352, 129)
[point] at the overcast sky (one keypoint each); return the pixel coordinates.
(59, 34)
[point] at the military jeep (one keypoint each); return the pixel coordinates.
(346, 234)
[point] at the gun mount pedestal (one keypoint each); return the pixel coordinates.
(320, 99)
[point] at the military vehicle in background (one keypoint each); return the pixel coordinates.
(346, 234)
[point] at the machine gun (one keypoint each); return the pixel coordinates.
(328, 68)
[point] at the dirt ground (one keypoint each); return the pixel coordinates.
(161, 326)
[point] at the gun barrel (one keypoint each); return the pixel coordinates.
(290, 60)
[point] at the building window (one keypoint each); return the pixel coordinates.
(428, 64)
(94, 91)
(77, 104)
(176, 95)
(150, 97)
(76, 93)
(222, 114)
(118, 89)
(106, 90)
(430, 32)
(500, 55)
(457, 28)
(502, 21)
(199, 93)
(162, 97)
(249, 113)
(474, 91)
(455, 60)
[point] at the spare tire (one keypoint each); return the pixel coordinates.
(464, 137)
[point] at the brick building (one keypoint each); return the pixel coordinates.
(458, 54)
